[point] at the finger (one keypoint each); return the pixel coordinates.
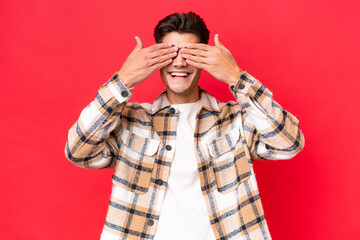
(162, 58)
(158, 46)
(218, 43)
(197, 65)
(139, 44)
(159, 65)
(195, 52)
(197, 59)
(200, 46)
(162, 52)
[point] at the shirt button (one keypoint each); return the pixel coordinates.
(159, 181)
(241, 86)
(124, 93)
(168, 147)
(150, 222)
(172, 110)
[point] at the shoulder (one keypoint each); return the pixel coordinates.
(229, 106)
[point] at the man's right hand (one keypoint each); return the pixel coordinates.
(142, 62)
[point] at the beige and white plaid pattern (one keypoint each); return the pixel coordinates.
(138, 141)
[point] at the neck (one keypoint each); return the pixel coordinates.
(190, 97)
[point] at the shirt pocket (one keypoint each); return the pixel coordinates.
(230, 163)
(135, 162)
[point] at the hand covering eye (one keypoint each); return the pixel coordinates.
(177, 53)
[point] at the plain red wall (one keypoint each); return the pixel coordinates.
(56, 54)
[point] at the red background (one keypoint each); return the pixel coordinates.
(56, 54)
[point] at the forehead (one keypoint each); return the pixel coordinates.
(180, 39)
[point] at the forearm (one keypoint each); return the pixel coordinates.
(273, 132)
(90, 142)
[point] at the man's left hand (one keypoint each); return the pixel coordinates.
(217, 60)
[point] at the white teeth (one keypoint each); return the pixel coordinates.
(179, 74)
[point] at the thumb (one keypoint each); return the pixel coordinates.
(217, 41)
(139, 43)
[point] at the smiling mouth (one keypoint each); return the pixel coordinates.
(181, 75)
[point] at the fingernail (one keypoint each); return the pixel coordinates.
(170, 44)
(175, 48)
(187, 45)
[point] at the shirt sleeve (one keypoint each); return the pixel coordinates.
(91, 142)
(270, 131)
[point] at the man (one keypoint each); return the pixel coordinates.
(183, 164)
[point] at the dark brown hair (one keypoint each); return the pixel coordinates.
(182, 23)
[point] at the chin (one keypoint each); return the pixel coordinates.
(181, 88)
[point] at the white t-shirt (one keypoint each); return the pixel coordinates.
(184, 214)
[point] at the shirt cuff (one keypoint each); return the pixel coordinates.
(243, 84)
(117, 87)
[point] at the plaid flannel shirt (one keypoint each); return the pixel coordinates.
(138, 141)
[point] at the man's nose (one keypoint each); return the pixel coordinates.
(179, 61)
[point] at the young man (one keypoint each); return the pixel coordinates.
(183, 164)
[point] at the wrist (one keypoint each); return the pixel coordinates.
(235, 76)
(126, 81)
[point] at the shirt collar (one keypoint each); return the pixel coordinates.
(208, 102)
